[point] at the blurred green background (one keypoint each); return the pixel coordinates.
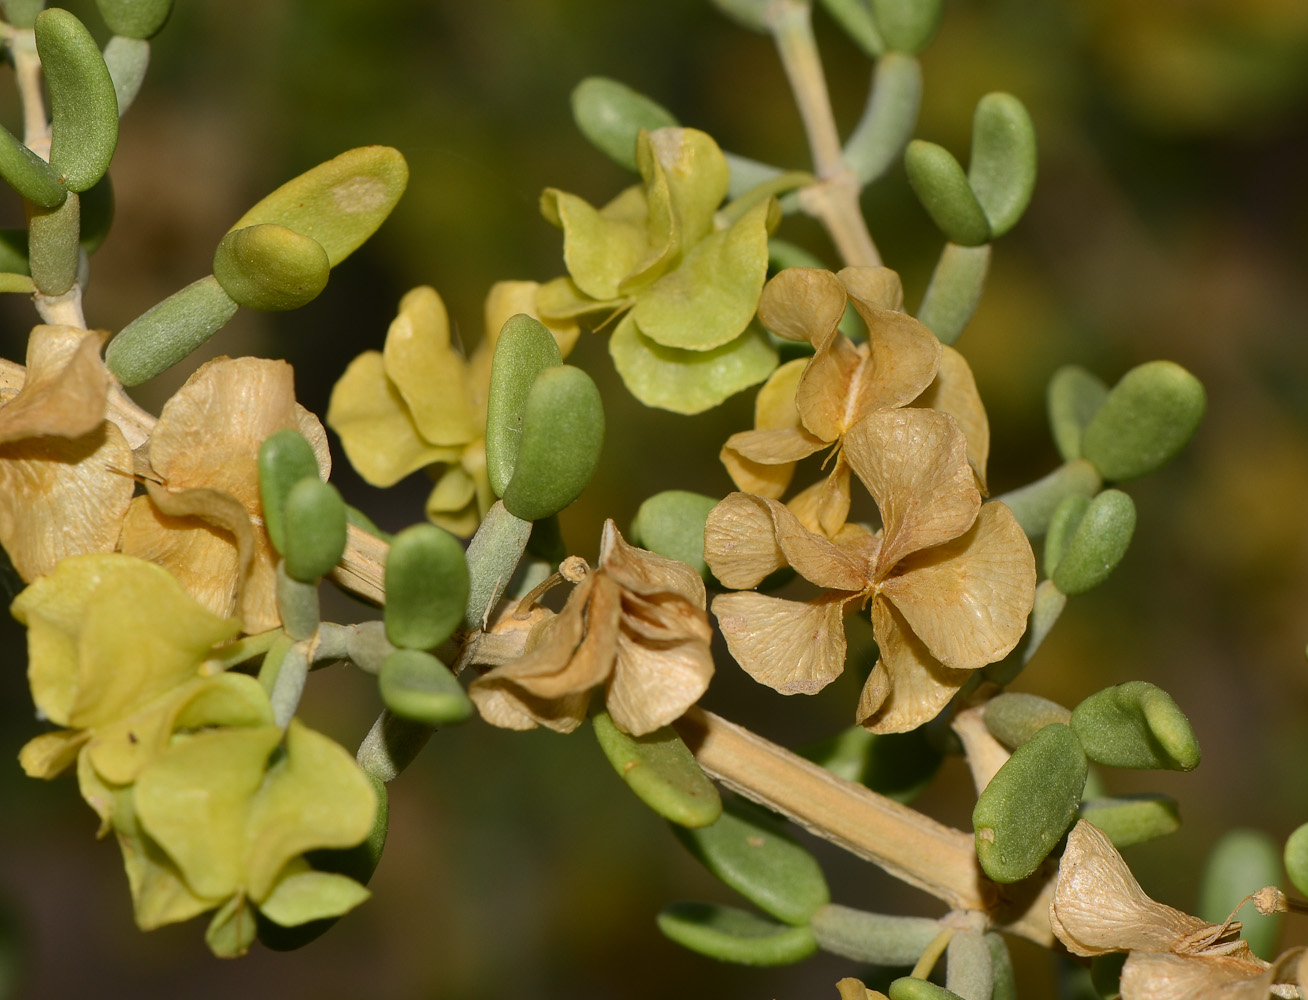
(1170, 221)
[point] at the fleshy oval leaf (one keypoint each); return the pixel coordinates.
(525, 348)
(53, 244)
(313, 529)
(907, 25)
(135, 18)
(1145, 421)
(127, 60)
(660, 769)
(285, 458)
(426, 587)
(1062, 526)
(562, 434)
(732, 935)
(339, 203)
(83, 105)
(28, 174)
(671, 523)
(912, 988)
(955, 290)
(1133, 819)
(167, 332)
(942, 187)
(1002, 170)
(610, 114)
(270, 267)
(1136, 725)
(1014, 717)
(1296, 858)
(493, 556)
(1097, 544)
(1073, 397)
(1029, 803)
(417, 686)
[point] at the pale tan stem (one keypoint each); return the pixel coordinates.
(985, 754)
(27, 77)
(362, 568)
(834, 203)
(910, 846)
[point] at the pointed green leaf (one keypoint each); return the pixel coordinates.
(309, 895)
(1097, 543)
(671, 523)
(751, 854)
(127, 60)
(270, 267)
(1014, 718)
(1148, 417)
(166, 333)
(417, 686)
(1136, 725)
(662, 772)
(1029, 804)
(525, 348)
(732, 935)
(1296, 858)
(955, 290)
(889, 116)
(1240, 863)
(1074, 397)
(285, 458)
(1133, 819)
(28, 174)
(313, 529)
(907, 25)
(135, 18)
(942, 187)
(611, 114)
(339, 203)
(1002, 170)
(427, 587)
(83, 106)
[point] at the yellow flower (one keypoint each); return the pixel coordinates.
(950, 581)
(636, 624)
(418, 402)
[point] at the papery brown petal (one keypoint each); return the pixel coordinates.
(503, 642)
(903, 359)
(774, 406)
(63, 497)
(740, 546)
(827, 395)
(591, 662)
(954, 392)
(875, 287)
(508, 707)
(914, 463)
(823, 507)
(802, 303)
(968, 599)
(1161, 976)
(314, 432)
(791, 646)
(646, 572)
(65, 388)
(775, 447)
(908, 686)
(754, 477)
(653, 685)
(1098, 907)
(815, 558)
(663, 619)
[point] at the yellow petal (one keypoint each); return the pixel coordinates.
(65, 388)
(50, 754)
(651, 687)
(908, 686)
(968, 599)
(873, 287)
(375, 426)
(914, 463)
(507, 299)
(775, 447)
(791, 646)
(954, 392)
(903, 359)
(429, 373)
(648, 573)
(802, 303)
(828, 394)
(823, 507)
(774, 406)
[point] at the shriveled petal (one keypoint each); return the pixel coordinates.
(375, 427)
(954, 392)
(774, 406)
(803, 303)
(1152, 976)
(63, 497)
(914, 463)
(1098, 906)
(968, 599)
(823, 507)
(791, 646)
(428, 371)
(827, 396)
(65, 388)
(647, 573)
(653, 685)
(592, 661)
(762, 461)
(908, 686)
(873, 287)
(903, 358)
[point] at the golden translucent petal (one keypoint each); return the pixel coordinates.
(823, 507)
(63, 497)
(914, 463)
(1153, 976)
(908, 686)
(647, 573)
(903, 359)
(50, 754)
(828, 393)
(774, 406)
(740, 546)
(791, 646)
(653, 685)
(802, 303)
(754, 477)
(375, 427)
(762, 461)
(65, 388)
(873, 287)
(954, 392)
(1098, 906)
(968, 599)
(505, 300)
(430, 374)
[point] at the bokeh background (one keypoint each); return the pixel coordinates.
(1170, 221)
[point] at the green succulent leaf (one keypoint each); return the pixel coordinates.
(135, 18)
(54, 241)
(285, 458)
(427, 587)
(751, 854)
(1029, 803)
(1013, 718)
(525, 348)
(969, 971)
(1062, 527)
(942, 187)
(493, 556)
(28, 174)
(907, 25)
(671, 523)
(22, 13)
(83, 106)
(732, 935)
(955, 290)
(1296, 858)
(876, 938)
(127, 60)
(1002, 170)
(1074, 397)
(855, 19)
(1095, 544)
(1034, 505)
(1240, 863)
(661, 771)
(610, 114)
(167, 332)
(1145, 421)
(339, 203)
(889, 116)
(1133, 819)
(417, 686)
(20, 283)
(1136, 725)
(270, 267)
(911, 988)
(313, 529)
(1002, 963)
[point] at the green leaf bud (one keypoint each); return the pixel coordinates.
(127, 60)
(910, 988)
(889, 116)
(28, 174)
(417, 686)
(525, 348)
(1136, 725)
(427, 582)
(855, 19)
(1002, 170)
(1097, 543)
(671, 523)
(285, 458)
(662, 772)
(493, 556)
(313, 529)
(167, 332)
(1002, 963)
(1240, 863)
(907, 25)
(1296, 858)
(1133, 819)
(872, 937)
(899, 766)
(610, 114)
(1148, 417)
(97, 210)
(339, 203)
(83, 106)
(22, 13)
(750, 853)
(942, 187)
(1013, 718)
(271, 267)
(135, 18)
(562, 434)
(53, 242)
(1062, 526)
(731, 935)
(1029, 803)
(1074, 397)
(955, 289)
